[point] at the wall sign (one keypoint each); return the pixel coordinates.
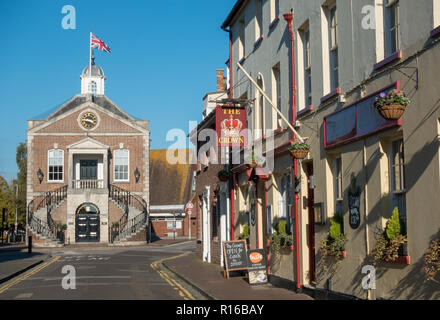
(230, 125)
(235, 257)
(354, 204)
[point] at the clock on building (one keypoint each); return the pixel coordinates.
(88, 120)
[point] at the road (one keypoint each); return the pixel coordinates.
(103, 273)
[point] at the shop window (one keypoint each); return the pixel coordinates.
(55, 165)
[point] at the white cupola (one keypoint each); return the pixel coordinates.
(92, 81)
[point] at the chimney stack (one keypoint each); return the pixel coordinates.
(221, 80)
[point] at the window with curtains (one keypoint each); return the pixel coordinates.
(397, 167)
(55, 165)
(392, 27)
(121, 165)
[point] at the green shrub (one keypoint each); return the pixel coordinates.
(336, 227)
(282, 226)
(245, 233)
(394, 226)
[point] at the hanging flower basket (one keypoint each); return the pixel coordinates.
(223, 175)
(253, 161)
(299, 150)
(391, 106)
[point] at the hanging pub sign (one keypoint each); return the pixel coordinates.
(354, 193)
(230, 126)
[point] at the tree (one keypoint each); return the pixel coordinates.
(21, 160)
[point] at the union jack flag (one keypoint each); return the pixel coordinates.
(98, 43)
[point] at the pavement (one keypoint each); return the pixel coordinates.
(167, 269)
(15, 259)
(209, 279)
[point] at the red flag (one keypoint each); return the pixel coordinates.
(98, 43)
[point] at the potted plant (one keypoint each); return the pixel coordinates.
(223, 175)
(280, 238)
(299, 150)
(245, 233)
(392, 241)
(333, 244)
(432, 260)
(252, 161)
(391, 106)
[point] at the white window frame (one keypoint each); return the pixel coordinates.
(241, 38)
(388, 46)
(338, 186)
(333, 47)
(274, 9)
(55, 165)
(114, 165)
(258, 19)
(398, 194)
(276, 95)
(307, 68)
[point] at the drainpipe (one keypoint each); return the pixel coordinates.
(231, 180)
(289, 18)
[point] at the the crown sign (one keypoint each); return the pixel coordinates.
(231, 127)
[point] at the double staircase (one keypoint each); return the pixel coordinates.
(132, 227)
(40, 222)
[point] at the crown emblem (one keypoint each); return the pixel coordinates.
(231, 127)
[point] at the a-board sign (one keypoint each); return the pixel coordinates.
(257, 266)
(235, 255)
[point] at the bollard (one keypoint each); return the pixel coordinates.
(30, 244)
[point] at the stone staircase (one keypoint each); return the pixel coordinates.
(40, 224)
(133, 226)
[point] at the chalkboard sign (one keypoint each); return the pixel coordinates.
(235, 255)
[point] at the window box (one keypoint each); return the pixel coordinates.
(274, 22)
(258, 42)
(394, 57)
(435, 33)
(304, 111)
(331, 95)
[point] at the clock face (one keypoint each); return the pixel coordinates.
(88, 120)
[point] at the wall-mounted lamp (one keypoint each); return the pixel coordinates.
(40, 175)
(137, 175)
(319, 213)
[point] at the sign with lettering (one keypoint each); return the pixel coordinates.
(230, 126)
(257, 267)
(235, 255)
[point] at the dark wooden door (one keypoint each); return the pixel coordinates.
(311, 210)
(89, 169)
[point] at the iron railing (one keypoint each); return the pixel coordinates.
(126, 200)
(49, 201)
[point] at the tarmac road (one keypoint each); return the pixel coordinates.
(102, 274)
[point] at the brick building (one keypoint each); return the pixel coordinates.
(88, 170)
(173, 188)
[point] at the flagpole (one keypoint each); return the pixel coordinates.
(90, 56)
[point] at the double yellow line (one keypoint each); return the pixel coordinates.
(27, 275)
(173, 283)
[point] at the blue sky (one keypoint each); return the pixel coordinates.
(163, 61)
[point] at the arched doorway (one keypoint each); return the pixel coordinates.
(87, 223)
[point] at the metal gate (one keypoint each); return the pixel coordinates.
(87, 223)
